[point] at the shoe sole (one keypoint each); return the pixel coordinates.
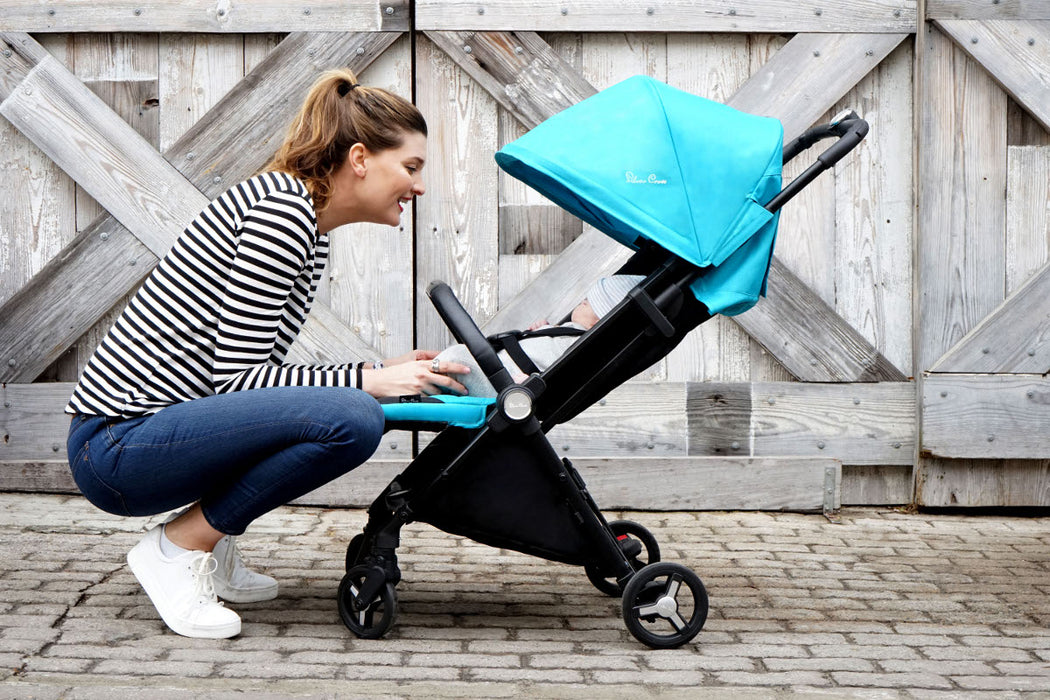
(258, 595)
(150, 584)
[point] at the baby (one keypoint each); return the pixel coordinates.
(543, 350)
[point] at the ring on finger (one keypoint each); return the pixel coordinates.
(435, 366)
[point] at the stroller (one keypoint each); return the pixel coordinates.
(694, 187)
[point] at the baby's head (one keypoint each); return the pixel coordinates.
(602, 297)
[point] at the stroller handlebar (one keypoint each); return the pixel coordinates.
(850, 130)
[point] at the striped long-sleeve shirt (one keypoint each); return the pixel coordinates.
(221, 309)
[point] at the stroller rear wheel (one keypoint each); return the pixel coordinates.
(632, 537)
(664, 605)
(368, 619)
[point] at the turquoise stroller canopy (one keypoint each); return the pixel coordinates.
(643, 160)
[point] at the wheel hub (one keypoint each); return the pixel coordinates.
(666, 607)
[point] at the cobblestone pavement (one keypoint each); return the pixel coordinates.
(882, 604)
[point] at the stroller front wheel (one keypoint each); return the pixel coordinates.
(664, 605)
(368, 619)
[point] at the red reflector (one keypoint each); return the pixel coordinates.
(621, 538)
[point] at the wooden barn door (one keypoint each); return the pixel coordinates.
(984, 204)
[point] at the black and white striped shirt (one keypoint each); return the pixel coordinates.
(220, 311)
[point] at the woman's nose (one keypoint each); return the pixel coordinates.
(419, 189)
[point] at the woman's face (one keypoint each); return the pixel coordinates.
(391, 179)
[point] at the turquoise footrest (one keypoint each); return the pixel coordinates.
(459, 411)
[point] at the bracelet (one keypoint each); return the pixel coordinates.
(378, 364)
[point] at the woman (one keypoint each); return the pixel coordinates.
(188, 399)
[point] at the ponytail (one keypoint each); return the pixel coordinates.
(337, 113)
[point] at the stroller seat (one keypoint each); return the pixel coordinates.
(655, 169)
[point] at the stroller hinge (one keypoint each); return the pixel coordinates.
(650, 309)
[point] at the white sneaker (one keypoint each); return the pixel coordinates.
(182, 589)
(234, 581)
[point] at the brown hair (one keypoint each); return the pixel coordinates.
(336, 114)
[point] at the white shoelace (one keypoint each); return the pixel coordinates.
(203, 567)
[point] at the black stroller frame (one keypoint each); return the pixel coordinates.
(504, 485)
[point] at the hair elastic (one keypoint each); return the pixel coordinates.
(346, 87)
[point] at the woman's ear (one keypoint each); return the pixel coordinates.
(357, 158)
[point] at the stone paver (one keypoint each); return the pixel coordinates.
(881, 604)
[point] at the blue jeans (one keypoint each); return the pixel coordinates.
(240, 454)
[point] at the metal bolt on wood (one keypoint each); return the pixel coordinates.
(818, 12)
(820, 445)
(973, 40)
(7, 53)
(1031, 41)
(732, 12)
(104, 235)
(389, 10)
(896, 13)
(1031, 352)
(306, 11)
(481, 10)
(519, 50)
(10, 363)
(467, 49)
(771, 401)
(650, 11)
(191, 155)
(216, 179)
(360, 50)
(565, 11)
(51, 12)
(138, 11)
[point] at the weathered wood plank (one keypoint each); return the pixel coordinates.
(974, 483)
(984, 9)
(866, 485)
(635, 419)
(31, 421)
(767, 92)
(804, 332)
(536, 229)
(756, 16)
(719, 416)
(203, 16)
(458, 218)
(211, 154)
(1016, 54)
(874, 217)
(1027, 213)
(986, 416)
(857, 424)
(712, 483)
(961, 207)
(648, 483)
(50, 476)
(519, 69)
(809, 75)
(1014, 338)
(101, 152)
(959, 264)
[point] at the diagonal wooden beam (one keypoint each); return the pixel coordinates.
(1013, 339)
(799, 84)
(1015, 53)
(104, 261)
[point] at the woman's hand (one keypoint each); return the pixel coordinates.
(413, 377)
(538, 324)
(411, 356)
